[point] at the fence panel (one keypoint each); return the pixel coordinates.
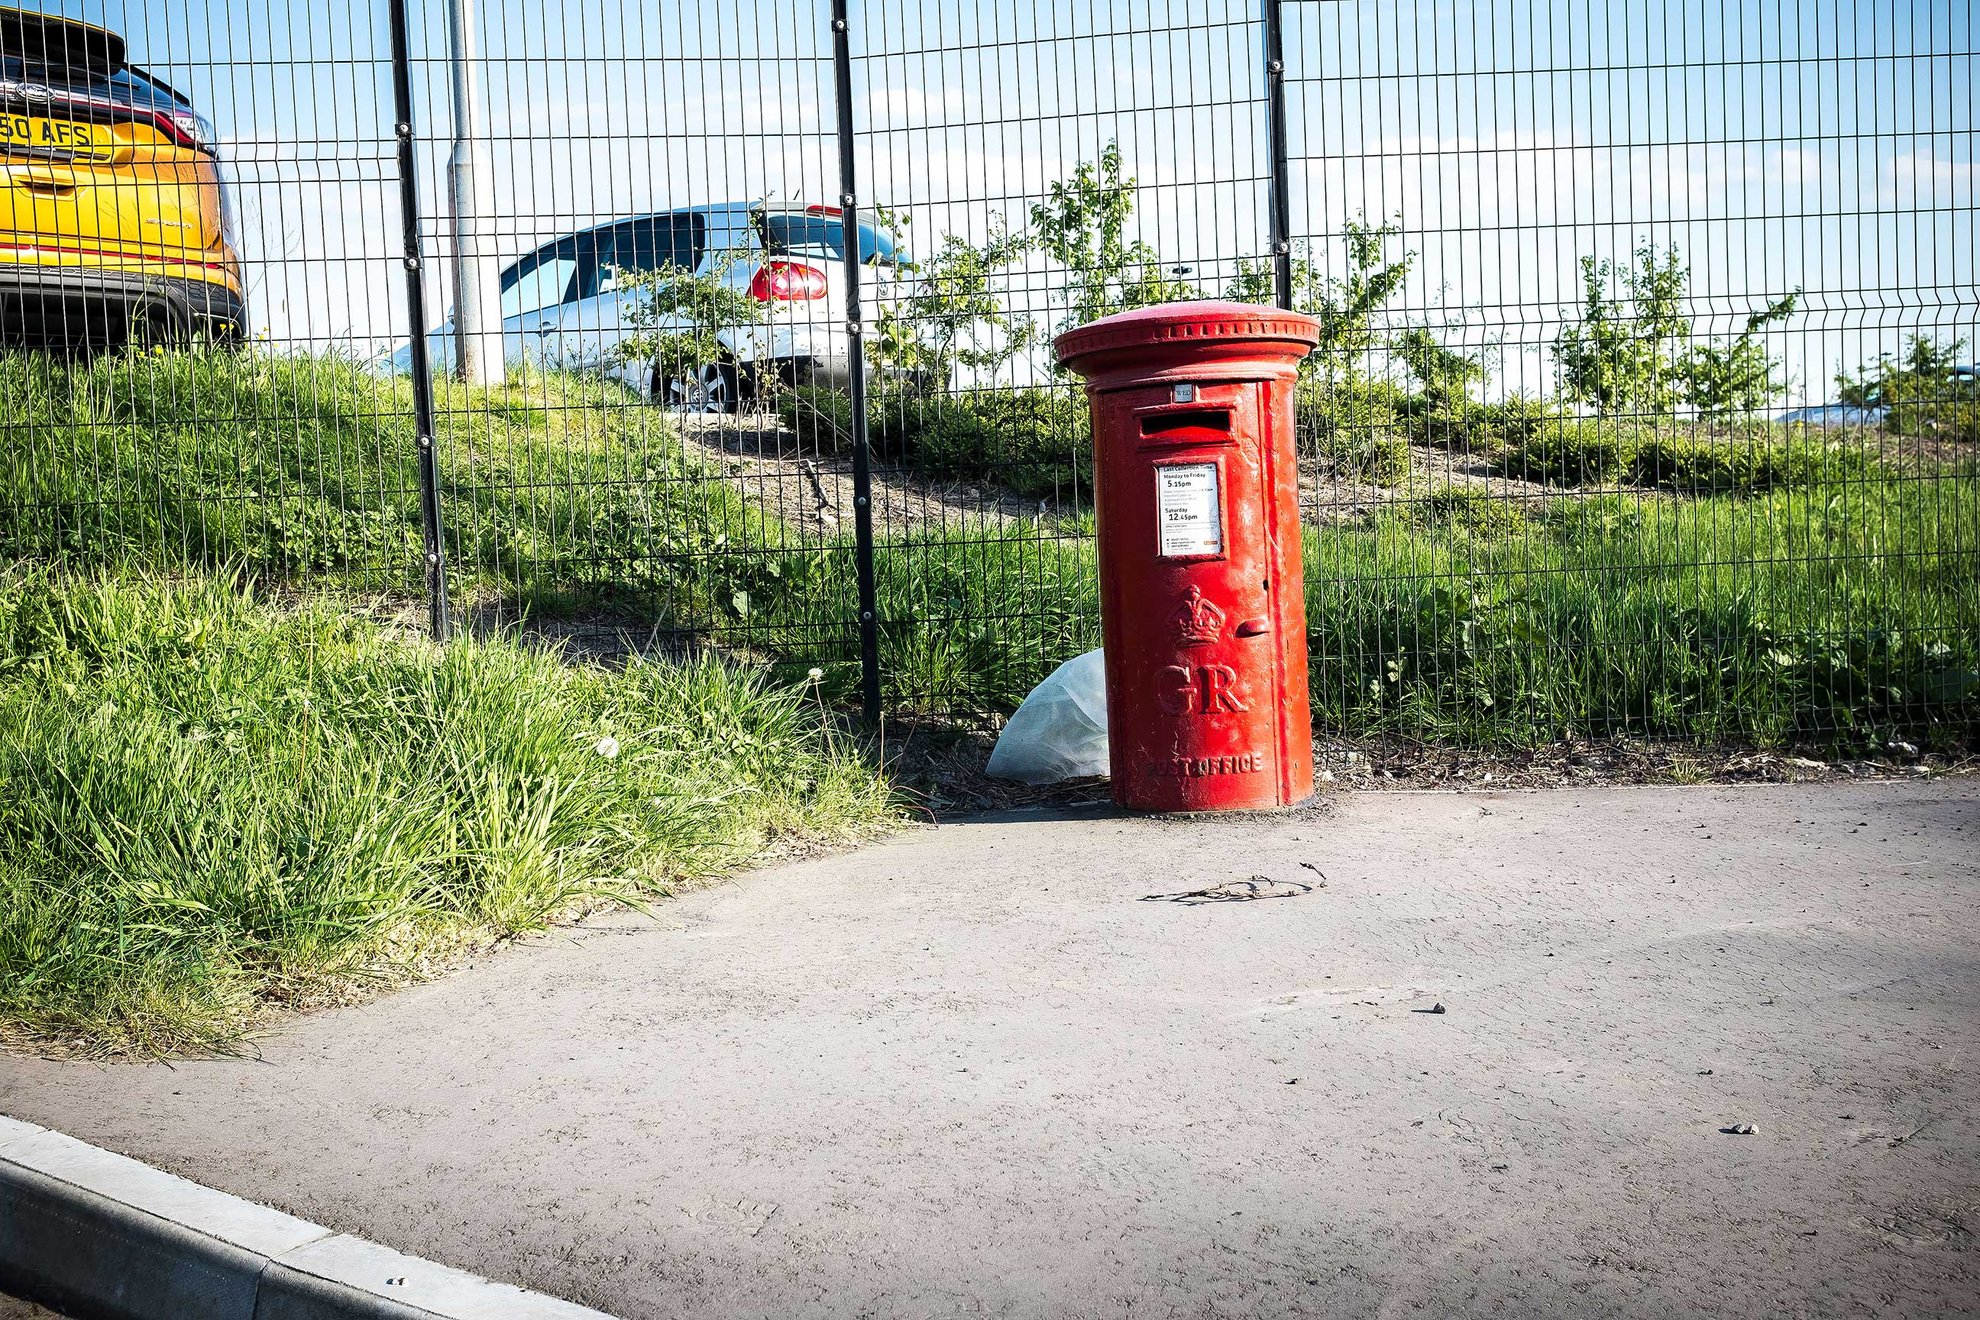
(1593, 273)
(1046, 164)
(628, 156)
(1644, 406)
(268, 447)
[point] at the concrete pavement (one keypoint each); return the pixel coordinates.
(1094, 1066)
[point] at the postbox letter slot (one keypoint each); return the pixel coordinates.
(1170, 421)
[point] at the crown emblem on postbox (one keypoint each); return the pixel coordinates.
(1198, 622)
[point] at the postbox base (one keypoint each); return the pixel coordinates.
(1219, 787)
(1132, 802)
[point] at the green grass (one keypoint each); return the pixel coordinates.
(211, 805)
(555, 489)
(1841, 613)
(1750, 582)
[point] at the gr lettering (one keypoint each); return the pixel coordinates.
(1199, 690)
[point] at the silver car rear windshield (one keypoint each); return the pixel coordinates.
(813, 235)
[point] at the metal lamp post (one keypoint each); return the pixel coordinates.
(477, 297)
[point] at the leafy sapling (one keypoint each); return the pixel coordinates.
(678, 322)
(1082, 226)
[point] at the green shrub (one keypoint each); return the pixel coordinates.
(1510, 421)
(1032, 442)
(1380, 461)
(1585, 451)
(1475, 428)
(1571, 451)
(1457, 429)
(1044, 440)
(1340, 417)
(1352, 427)
(1707, 465)
(941, 436)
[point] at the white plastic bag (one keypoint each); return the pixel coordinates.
(1060, 732)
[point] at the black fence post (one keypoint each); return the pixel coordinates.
(869, 621)
(422, 376)
(1275, 127)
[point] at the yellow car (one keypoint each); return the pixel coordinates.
(115, 221)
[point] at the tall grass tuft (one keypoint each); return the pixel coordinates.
(211, 806)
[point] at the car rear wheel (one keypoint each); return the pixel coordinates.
(715, 388)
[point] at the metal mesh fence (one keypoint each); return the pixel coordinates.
(1642, 407)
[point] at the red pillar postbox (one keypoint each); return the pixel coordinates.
(1201, 591)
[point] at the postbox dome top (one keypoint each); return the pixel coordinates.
(1178, 324)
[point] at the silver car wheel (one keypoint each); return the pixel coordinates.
(711, 390)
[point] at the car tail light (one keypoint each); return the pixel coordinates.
(787, 281)
(184, 128)
(188, 129)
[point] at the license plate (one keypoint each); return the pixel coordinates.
(68, 136)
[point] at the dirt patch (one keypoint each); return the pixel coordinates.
(1330, 497)
(1397, 764)
(939, 769)
(788, 478)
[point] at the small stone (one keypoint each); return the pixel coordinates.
(1437, 1007)
(1325, 776)
(1704, 1072)
(1739, 1129)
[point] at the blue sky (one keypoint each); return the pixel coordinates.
(1811, 143)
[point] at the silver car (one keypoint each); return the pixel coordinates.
(567, 304)
(1965, 379)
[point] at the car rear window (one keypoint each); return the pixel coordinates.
(646, 245)
(804, 234)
